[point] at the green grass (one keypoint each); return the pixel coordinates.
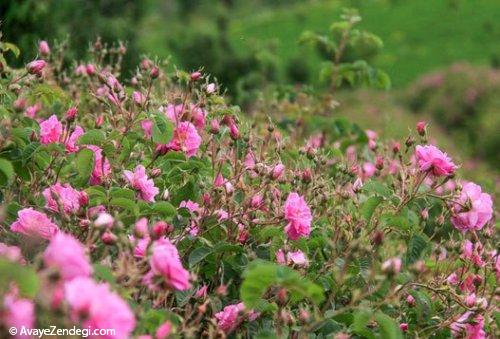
(419, 35)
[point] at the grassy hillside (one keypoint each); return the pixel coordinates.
(419, 35)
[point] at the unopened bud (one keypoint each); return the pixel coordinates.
(43, 48)
(155, 172)
(109, 238)
(36, 67)
(214, 126)
(71, 113)
(195, 76)
(155, 72)
(422, 128)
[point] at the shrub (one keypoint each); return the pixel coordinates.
(155, 209)
(462, 98)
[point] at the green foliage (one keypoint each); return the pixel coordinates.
(261, 275)
(24, 277)
(162, 129)
(84, 165)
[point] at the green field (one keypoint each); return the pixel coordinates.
(419, 35)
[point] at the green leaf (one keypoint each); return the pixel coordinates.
(361, 319)
(377, 187)
(260, 275)
(118, 192)
(104, 273)
(388, 327)
(164, 208)
(198, 254)
(163, 129)
(416, 246)
(92, 137)
(6, 171)
(369, 207)
(125, 203)
(29, 151)
(84, 165)
(7, 46)
(24, 277)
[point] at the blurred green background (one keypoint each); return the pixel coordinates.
(442, 55)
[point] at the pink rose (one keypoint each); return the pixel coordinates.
(147, 127)
(298, 215)
(18, 312)
(431, 159)
(164, 330)
(165, 262)
(35, 224)
(12, 253)
(67, 255)
(297, 258)
(278, 171)
(71, 145)
(228, 319)
(50, 130)
(185, 139)
(69, 198)
(472, 328)
(96, 306)
(43, 48)
(473, 210)
(140, 182)
(392, 265)
(101, 168)
(36, 67)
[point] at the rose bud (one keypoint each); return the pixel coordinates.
(304, 315)
(166, 194)
(138, 98)
(43, 48)
(307, 175)
(424, 214)
(409, 141)
(392, 266)
(71, 113)
(207, 199)
(379, 163)
(104, 220)
(99, 121)
(109, 238)
(234, 131)
(410, 300)
(19, 104)
(396, 147)
(214, 126)
(282, 296)
(421, 128)
(160, 229)
(145, 64)
(221, 290)
(210, 88)
(278, 171)
(155, 172)
(90, 69)
(161, 149)
(403, 327)
(83, 199)
(377, 238)
(155, 72)
(36, 67)
(195, 76)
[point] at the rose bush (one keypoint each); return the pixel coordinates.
(150, 206)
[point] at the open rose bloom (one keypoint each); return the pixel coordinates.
(143, 200)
